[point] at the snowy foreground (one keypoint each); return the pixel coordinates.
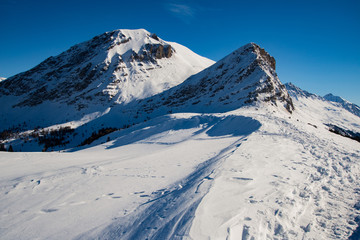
(254, 173)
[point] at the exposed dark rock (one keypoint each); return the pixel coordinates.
(344, 132)
(154, 36)
(266, 56)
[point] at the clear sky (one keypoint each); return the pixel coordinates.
(316, 43)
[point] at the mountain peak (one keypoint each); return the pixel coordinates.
(119, 66)
(115, 67)
(332, 98)
(245, 76)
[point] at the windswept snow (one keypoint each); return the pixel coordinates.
(62, 195)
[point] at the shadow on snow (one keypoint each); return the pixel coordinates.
(212, 125)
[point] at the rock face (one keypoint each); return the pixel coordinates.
(266, 56)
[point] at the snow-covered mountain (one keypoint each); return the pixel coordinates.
(317, 107)
(2, 79)
(91, 77)
(245, 77)
(351, 107)
(228, 153)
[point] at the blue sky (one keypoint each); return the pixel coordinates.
(316, 43)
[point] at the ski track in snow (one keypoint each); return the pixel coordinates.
(169, 215)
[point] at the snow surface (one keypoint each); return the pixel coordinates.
(254, 172)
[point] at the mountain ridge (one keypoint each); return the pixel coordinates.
(297, 92)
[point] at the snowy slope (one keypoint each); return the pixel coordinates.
(2, 79)
(249, 173)
(91, 77)
(289, 180)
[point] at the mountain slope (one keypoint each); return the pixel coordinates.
(113, 68)
(247, 173)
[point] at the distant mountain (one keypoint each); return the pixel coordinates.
(2, 79)
(297, 93)
(351, 107)
(116, 67)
